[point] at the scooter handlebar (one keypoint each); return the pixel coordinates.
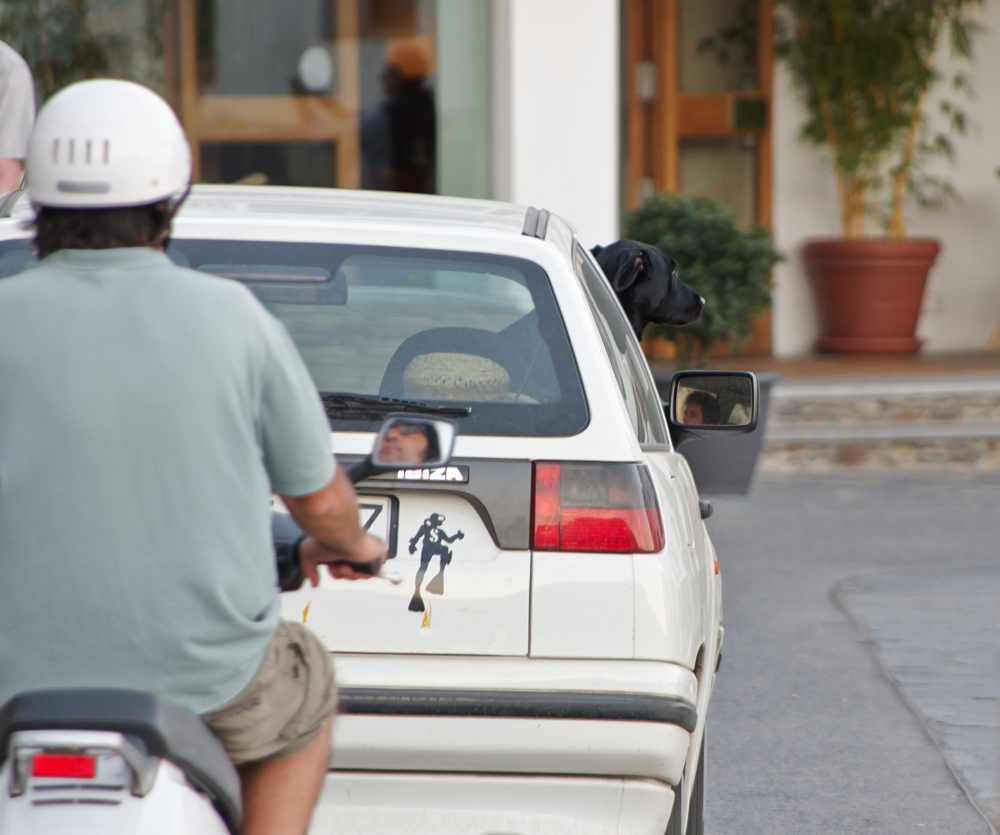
(369, 568)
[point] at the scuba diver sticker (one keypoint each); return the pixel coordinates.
(435, 545)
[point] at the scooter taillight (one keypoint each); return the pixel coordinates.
(77, 766)
(595, 507)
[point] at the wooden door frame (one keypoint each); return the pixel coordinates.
(656, 125)
(651, 40)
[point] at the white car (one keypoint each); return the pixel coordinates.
(546, 664)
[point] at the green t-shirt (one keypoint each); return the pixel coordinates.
(146, 414)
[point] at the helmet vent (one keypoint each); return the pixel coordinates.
(72, 148)
(107, 144)
(87, 152)
(76, 187)
(55, 150)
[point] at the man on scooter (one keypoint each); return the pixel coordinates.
(147, 412)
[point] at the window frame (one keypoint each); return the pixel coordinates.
(645, 408)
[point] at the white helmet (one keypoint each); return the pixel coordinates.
(105, 144)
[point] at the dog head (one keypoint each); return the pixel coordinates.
(645, 280)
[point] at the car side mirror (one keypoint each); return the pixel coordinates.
(407, 441)
(704, 404)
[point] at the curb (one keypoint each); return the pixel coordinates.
(818, 433)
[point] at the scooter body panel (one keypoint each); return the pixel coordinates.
(107, 806)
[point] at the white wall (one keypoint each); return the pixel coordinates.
(462, 86)
(805, 206)
(560, 116)
(962, 304)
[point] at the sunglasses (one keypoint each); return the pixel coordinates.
(407, 428)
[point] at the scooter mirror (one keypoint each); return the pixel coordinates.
(413, 441)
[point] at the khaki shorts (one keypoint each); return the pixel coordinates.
(283, 710)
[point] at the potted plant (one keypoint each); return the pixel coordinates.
(865, 68)
(731, 268)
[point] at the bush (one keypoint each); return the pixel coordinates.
(729, 267)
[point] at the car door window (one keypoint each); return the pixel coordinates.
(636, 383)
(615, 356)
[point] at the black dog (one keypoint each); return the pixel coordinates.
(645, 280)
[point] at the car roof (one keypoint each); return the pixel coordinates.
(375, 207)
(355, 208)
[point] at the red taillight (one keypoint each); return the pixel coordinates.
(547, 507)
(79, 766)
(595, 507)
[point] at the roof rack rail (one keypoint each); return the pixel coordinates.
(8, 200)
(536, 223)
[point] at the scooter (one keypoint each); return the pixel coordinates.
(123, 762)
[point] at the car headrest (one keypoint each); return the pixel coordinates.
(454, 376)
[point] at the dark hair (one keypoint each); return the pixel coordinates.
(433, 450)
(57, 229)
(710, 412)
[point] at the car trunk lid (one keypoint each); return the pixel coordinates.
(458, 536)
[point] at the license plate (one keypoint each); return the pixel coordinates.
(379, 515)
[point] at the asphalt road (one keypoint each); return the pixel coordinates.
(806, 732)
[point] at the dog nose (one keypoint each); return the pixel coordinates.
(702, 300)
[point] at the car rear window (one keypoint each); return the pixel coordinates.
(443, 328)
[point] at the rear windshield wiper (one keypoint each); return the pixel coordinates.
(344, 406)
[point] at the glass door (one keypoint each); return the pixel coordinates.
(384, 94)
(337, 93)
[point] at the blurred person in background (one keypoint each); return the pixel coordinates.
(398, 138)
(17, 115)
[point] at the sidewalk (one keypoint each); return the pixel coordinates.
(937, 637)
(880, 412)
(847, 365)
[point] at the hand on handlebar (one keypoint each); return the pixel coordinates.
(367, 558)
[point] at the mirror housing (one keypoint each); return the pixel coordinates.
(719, 402)
(407, 441)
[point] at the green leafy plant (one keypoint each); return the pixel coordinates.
(728, 266)
(54, 38)
(865, 68)
(59, 41)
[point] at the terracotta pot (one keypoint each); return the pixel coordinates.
(869, 293)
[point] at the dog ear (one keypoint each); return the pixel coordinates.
(597, 250)
(630, 270)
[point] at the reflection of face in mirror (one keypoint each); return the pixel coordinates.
(692, 413)
(407, 443)
(701, 409)
(715, 400)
